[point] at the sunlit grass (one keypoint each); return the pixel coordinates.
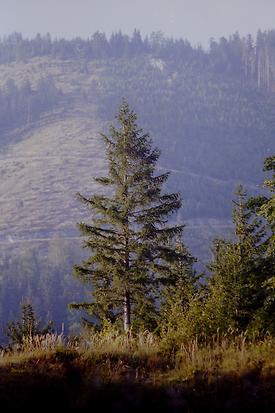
(224, 356)
(107, 369)
(114, 355)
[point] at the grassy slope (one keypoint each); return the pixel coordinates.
(42, 173)
(219, 377)
(69, 75)
(46, 162)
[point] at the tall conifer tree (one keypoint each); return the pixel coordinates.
(132, 245)
(264, 206)
(238, 271)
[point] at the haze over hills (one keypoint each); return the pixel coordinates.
(211, 114)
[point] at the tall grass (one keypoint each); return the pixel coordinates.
(32, 347)
(113, 352)
(115, 343)
(224, 355)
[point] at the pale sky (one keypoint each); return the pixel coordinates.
(195, 20)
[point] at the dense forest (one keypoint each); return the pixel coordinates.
(236, 56)
(211, 113)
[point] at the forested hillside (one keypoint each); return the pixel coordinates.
(211, 112)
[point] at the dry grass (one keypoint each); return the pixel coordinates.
(112, 342)
(32, 347)
(135, 372)
(43, 167)
(224, 356)
(221, 356)
(42, 174)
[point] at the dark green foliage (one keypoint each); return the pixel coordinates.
(27, 327)
(177, 297)
(131, 242)
(264, 207)
(182, 286)
(239, 294)
(239, 270)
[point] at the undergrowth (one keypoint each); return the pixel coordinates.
(130, 372)
(111, 354)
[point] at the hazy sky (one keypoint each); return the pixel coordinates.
(196, 20)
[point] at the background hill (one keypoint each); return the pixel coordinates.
(210, 112)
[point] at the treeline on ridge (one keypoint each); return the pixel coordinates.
(239, 56)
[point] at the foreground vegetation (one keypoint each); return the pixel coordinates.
(121, 372)
(161, 335)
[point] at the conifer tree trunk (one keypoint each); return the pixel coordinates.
(127, 311)
(127, 302)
